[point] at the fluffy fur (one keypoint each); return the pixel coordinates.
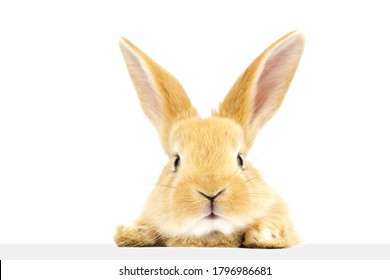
(207, 198)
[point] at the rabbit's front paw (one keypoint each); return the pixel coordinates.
(269, 235)
(135, 236)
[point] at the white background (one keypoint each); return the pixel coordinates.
(78, 157)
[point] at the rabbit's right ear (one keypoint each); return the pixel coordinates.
(260, 90)
(162, 97)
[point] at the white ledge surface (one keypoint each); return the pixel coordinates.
(111, 252)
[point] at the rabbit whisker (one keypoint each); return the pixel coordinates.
(172, 172)
(156, 161)
(168, 186)
(153, 185)
(149, 184)
(255, 178)
(250, 163)
(262, 195)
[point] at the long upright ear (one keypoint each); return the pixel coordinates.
(162, 98)
(259, 91)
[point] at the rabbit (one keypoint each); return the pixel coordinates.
(209, 195)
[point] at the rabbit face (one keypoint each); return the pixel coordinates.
(212, 188)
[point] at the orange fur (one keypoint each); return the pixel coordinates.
(177, 212)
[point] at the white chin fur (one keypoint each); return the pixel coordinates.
(206, 226)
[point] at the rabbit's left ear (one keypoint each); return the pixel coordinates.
(162, 97)
(259, 91)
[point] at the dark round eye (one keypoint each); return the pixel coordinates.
(240, 161)
(176, 163)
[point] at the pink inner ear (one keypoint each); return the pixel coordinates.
(149, 98)
(273, 76)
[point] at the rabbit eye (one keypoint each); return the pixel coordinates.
(176, 163)
(240, 161)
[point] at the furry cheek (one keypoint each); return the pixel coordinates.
(186, 205)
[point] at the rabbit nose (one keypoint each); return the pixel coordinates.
(211, 198)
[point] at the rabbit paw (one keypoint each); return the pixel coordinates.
(136, 235)
(269, 235)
